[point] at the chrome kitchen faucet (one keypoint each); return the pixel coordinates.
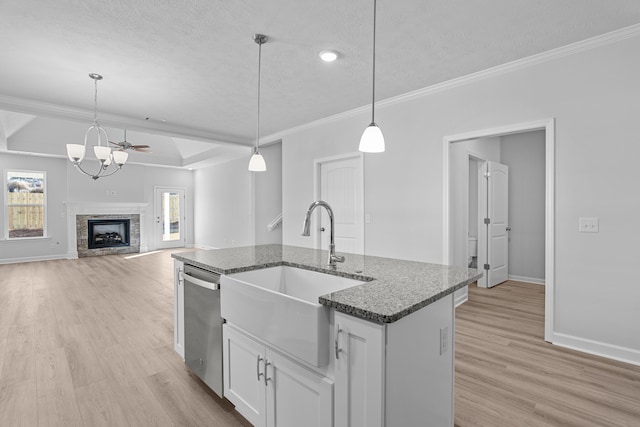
(333, 258)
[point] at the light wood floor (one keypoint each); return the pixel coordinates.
(506, 375)
(89, 342)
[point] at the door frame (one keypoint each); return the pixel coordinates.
(156, 213)
(317, 190)
(548, 125)
(480, 160)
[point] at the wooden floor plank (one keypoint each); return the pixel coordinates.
(501, 356)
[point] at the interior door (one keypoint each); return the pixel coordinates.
(170, 218)
(341, 185)
(496, 223)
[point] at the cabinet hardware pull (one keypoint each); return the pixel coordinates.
(338, 350)
(258, 367)
(266, 379)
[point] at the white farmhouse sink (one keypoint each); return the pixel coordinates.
(280, 305)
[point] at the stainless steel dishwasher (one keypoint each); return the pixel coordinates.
(203, 326)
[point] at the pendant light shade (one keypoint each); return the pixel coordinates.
(257, 163)
(75, 152)
(372, 140)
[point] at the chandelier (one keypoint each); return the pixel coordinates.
(109, 162)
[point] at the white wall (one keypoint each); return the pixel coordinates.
(593, 97)
(223, 205)
(524, 153)
(55, 246)
(268, 196)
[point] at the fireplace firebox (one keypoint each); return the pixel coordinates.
(108, 233)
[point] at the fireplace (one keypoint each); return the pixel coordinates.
(79, 214)
(108, 233)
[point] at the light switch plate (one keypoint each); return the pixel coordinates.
(588, 225)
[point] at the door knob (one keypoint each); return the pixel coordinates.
(321, 228)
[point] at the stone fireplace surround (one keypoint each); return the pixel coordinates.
(79, 212)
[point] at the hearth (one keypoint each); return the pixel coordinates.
(108, 233)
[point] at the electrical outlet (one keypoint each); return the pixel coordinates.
(588, 225)
(444, 340)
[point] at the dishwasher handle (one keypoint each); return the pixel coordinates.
(199, 282)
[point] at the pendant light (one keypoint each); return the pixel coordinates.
(256, 163)
(372, 140)
(76, 152)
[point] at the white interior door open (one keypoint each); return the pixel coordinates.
(493, 241)
(341, 185)
(169, 217)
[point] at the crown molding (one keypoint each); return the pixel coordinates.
(530, 61)
(38, 108)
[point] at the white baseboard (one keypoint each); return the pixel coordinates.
(33, 259)
(597, 348)
(527, 279)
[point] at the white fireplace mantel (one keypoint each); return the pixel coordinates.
(101, 208)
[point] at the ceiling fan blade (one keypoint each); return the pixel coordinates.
(140, 146)
(115, 143)
(142, 150)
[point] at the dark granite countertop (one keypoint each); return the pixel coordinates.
(394, 288)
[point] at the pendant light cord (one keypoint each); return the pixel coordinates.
(259, 73)
(373, 97)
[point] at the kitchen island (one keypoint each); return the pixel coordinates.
(391, 339)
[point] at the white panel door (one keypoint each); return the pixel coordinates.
(341, 186)
(498, 214)
(169, 218)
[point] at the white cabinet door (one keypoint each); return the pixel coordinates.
(178, 307)
(359, 372)
(244, 368)
(296, 396)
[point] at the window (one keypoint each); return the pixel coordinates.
(26, 204)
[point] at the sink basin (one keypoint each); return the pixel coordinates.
(280, 305)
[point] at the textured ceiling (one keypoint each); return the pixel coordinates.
(193, 63)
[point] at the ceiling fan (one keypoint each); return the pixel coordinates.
(125, 145)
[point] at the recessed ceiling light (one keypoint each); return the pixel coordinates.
(328, 55)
